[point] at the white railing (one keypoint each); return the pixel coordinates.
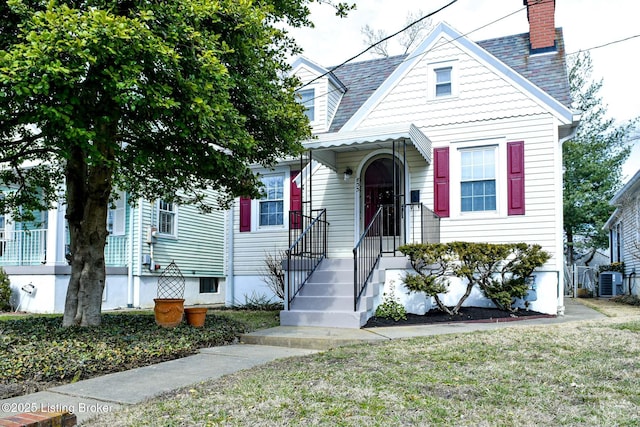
(23, 247)
(116, 252)
(29, 247)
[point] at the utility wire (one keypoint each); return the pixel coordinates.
(409, 57)
(605, 44)
(379, 42)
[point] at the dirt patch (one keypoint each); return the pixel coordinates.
(466, 314)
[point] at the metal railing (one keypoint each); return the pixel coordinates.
(423, 224)
(29, 247)
(306, 251)
(366, 255)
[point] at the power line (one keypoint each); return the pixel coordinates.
(605, 44)
(410, 57)
(379, 42)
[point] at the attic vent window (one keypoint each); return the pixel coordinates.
(307, 98)
(443, 82)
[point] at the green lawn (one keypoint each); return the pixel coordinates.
(36, 352)
(567, 375)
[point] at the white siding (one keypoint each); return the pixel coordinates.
(482, 94)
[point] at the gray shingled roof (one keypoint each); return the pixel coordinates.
(547, 71)
(361, 79)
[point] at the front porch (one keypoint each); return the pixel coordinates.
(34, 247)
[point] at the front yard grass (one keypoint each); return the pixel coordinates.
(37, 353)
(574, 374)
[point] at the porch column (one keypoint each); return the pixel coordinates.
(56, 236)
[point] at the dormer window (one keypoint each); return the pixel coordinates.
(307, 98)
(443, 82)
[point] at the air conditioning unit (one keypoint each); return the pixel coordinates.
(610, 284)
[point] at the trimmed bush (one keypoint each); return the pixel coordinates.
(499, 270)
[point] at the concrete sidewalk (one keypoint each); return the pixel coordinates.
(109, 392)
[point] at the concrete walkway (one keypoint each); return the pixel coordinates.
(109, 392)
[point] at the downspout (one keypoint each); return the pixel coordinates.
(230, 293)
(139, 245)
(130, 263)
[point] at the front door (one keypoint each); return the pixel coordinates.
(379, 192)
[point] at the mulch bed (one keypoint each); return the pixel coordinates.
(466, 314)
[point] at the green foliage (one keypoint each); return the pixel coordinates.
(432, 263)
(499, 270)
(259, 302)
(37, 349)
(593, 162)
(616, 266)
(5, 291)
(391, 308)
(164, 100)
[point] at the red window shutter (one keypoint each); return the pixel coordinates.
(515, 177)
(441, 181)
(295, 202)
(245, 214)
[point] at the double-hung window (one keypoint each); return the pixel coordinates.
(443, 80)
(478, 179)
(307, 99)
(271, 204)
(167, 218)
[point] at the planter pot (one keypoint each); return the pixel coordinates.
(196, 316)
(168, 312)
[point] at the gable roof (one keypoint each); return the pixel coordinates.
(545, 75)
(361, 79)
(548, 71)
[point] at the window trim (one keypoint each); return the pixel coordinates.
(494, 177)
(432, 80)
(286, 195)
(455, 198)
(216, 285)
(312, 100)
(173, 235)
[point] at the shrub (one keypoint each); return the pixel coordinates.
(616, 266)
(5, 291)
(499, 270)
(391, 308)
(273, 273)
(431, 262)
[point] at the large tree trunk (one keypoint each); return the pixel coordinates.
(88, 191)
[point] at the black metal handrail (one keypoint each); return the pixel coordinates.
(305, 252)
(366, 255)
(424, 224)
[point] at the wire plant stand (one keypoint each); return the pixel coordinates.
(171, 283)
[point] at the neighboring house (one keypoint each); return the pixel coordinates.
(624, 232)
(469, 131)
(142, 241)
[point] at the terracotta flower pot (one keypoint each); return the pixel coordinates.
(196, 316)
(168, 312)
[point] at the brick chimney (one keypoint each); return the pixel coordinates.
(542, 26)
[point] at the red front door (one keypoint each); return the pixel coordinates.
(379, 191)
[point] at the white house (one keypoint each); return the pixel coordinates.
(458, 140)
(142, 241)
(624, 232)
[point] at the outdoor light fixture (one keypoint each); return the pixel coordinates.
(347, 174)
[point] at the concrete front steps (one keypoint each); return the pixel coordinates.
(326, 300)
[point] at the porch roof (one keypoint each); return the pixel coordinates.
(326, 145)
